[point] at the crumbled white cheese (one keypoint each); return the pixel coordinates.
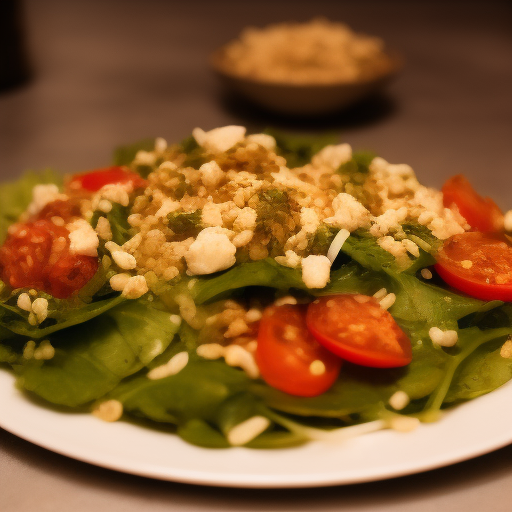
(443, 338)
(82, 238)
(172, 367)
(390, 220)
(211, 173)
(119, 281)
(24, 302)
(220, 139)
(115, 193)
(40, 309)
(247, 430)
(109, 410)
(332, 156)
(210, 252)
(160, 145)
(290, 259)
(246, 219)
(316, 271)
(349, 213)
(267, 141)
(43, 195)
(135, 287)
(124, 260)
(168, 206)
(309, 220)
(399, 400)
(211, 215)
(103, 229)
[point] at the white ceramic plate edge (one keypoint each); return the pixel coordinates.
(467, 431)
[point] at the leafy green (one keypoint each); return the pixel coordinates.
(197, 391)
(124, 155)
(359, 163)
(15, 196)
(299, 149)
(185, 223)
(61, 314)
(117, 218)
(91, 359)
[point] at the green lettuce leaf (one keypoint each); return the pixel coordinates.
(91, 359)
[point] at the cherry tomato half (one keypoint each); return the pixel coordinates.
(36, 255)
(482, 213)
(288, 356)
(357, 329)
(94, 180)
(479, 264)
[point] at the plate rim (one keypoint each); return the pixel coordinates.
(237, 479)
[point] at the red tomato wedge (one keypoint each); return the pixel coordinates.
(288, 356)
(357, 329)
(36, 255)
(482, 213)
(94, 180)
(479, 264)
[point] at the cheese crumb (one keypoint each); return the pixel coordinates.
(212, 251)
(399, 400)
(220, 139)
(443, 338)
(172, 367)
(316, 271)
(24, 302)
(109, 410)
(82, 238)
(247, 430)
(135, 287)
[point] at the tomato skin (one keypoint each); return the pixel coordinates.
(94, 180)
(36, 255)
(286, 350)
(357, 329)
(66, 210)
(478, 264)
(482, 213)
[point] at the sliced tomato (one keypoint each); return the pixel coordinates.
(357, 329)
(482, 213)
(288, 356)
(479, 264)
(66, 210)
(94, 180)
(36, 255)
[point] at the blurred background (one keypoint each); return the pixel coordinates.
(108, 72)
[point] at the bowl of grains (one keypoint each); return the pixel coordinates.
(305, 68)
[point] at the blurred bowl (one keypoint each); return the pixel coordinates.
(304, 99)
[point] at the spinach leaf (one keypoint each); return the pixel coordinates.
(124, 155)
(196, 392)
(91, 359)
(299, 149)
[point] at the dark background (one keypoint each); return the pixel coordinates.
(108, 72)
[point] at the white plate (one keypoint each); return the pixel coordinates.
(467, 431)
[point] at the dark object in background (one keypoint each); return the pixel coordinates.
(14, 65)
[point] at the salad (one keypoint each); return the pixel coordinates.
(254, 290)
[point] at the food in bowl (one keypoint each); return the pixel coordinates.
(316, 52)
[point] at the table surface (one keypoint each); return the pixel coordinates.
(106, 72)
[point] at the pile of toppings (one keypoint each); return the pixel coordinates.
(222, 198)
(317, 52)
(230, 197)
